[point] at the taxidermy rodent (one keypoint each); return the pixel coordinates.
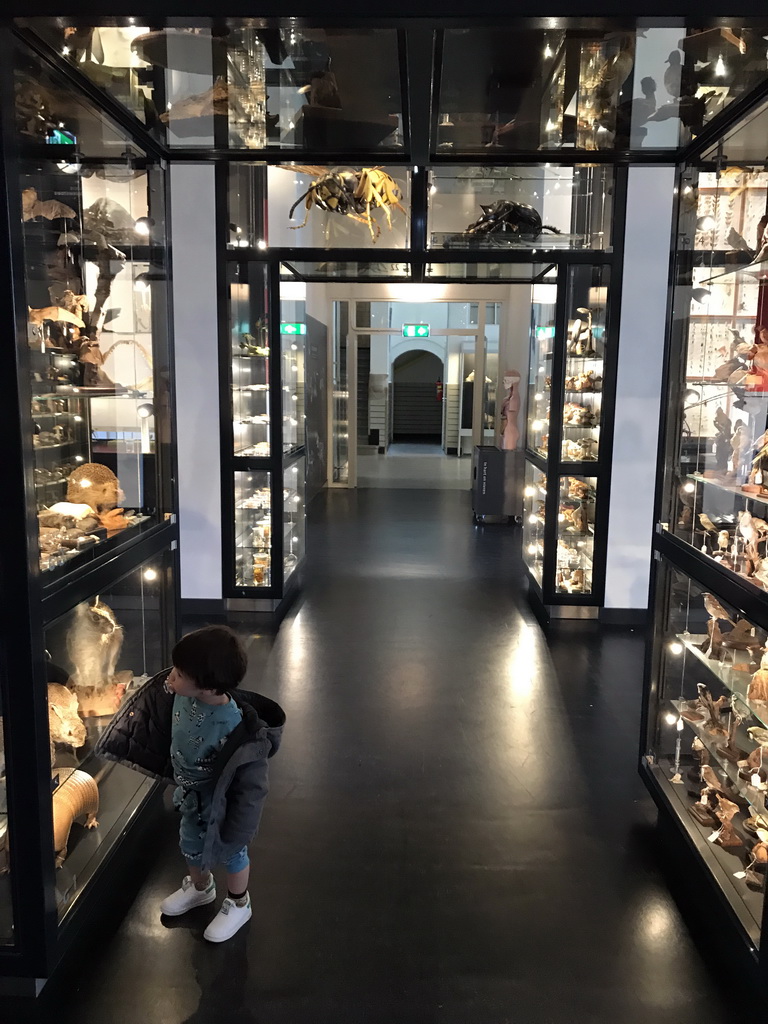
(93, 644)
(64, 722)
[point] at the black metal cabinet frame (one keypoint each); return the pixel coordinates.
(689, 856)
(30, 603)
(547, 598)
(278, 461)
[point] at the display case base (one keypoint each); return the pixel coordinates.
(262, 605)
(572, 611)
(547, 613)
(96, 913)
(210, 609)
(710, 918)
(634, 617)
(276, 608)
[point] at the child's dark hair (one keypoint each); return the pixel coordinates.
(213, 657)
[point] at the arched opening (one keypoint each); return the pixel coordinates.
(417, 398)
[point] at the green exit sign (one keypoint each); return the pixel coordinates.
(415, 330)
(293, 328)
(545, 332)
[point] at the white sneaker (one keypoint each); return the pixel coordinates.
(187, 897)
(229, 920)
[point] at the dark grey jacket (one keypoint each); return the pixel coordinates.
(139, 736)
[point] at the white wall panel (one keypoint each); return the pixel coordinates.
(642, 333)
(197, 375)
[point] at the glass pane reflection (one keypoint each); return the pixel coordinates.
(524, 90)
(242, 85)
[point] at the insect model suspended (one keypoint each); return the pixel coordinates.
(351, 193)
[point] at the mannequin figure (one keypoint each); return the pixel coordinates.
(757, 378)
(510, 432)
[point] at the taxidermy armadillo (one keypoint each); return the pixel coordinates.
(76, 795)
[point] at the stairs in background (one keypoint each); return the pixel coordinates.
(417, 411)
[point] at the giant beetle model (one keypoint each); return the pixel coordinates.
(504, 221)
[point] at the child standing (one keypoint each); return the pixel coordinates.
(191, 725)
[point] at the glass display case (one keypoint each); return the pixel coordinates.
(704, 743)
(576, 534)
(250, 362)
(716, 498)
(101, 650)
(253, 529)
(534, 207)
(246, 198)
(318, 207)
(88, 553)
(609, 89)
(706, 747)
(97, 328)
(262, 371)
(351, 207)
(293, 330)
(570, 388)
(544, 298)
(244, 86)
(534, 520)
(294, 517)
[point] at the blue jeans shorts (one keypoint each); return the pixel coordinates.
(195, 807)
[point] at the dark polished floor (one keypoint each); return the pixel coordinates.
(456, 832)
